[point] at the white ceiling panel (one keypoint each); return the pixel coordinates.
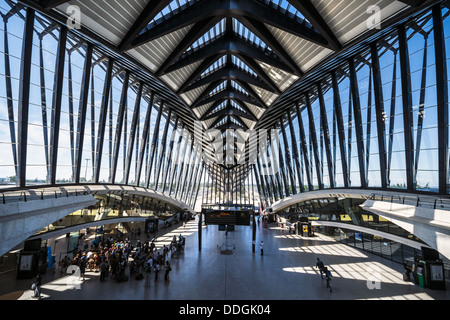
(109, 19)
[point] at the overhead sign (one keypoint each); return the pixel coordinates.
(225, 217)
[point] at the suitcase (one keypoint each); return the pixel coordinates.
(406, 277)
(140, 276)
(122, 278)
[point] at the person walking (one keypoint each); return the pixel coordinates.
(320, 266)
(328, 277)
(261, 245)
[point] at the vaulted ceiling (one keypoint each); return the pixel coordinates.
(229, 61)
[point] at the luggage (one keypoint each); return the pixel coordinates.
(406, 277)
(140, 276)
(122, 278)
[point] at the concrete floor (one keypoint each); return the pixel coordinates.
(286, 271)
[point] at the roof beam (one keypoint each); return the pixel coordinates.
(49, 4)
(230, 44)
(194, 33)
(413, 3)
(260, 30)
(206, 63)
(265, 14)
(228, 93)
(252, 64)
(229, 125)
(230, 110)
(242, 123)
(252, 93)
(211, 108)
(230, 8)
(230, 72)
(152, 8)
(205, 93)
(220, 118)
(313, 16)
(243, 106)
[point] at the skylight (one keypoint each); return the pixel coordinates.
(219, 88)
(246, 34)
(234, 121)
(210, 35)
(219, 63)
(174, 7)
(242, 65)
(236, 105)
(238, 87)
(221, 106)
(287, 8)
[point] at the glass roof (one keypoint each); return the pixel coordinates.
(212, 34)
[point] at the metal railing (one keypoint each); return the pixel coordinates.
(29, 195)
(425, 201)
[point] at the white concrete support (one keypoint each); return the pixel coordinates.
(399, 197)
(430, 225)
(384, 235)
(20, 220)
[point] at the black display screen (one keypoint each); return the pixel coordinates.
(225, 217)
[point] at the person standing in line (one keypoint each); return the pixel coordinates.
(37, 287)
(261, 245)
(103, 270)
(407, 272)
(320, 266)
(156, 269)
(82, 267)
(147, 270)
(168, 269)
(150, 263)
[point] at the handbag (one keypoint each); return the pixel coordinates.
(33, 286)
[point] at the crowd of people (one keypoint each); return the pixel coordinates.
(122, 259)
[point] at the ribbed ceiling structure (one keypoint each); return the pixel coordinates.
(229, 63)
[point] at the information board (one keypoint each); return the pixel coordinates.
(225, 217)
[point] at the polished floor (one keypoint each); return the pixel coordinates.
(286, 271)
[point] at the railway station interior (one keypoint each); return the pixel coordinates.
(238, 141)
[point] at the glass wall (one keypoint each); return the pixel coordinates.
(348, 211)
(112, 206)
(385, 248)
(90, 120)
(343, 210)
(373, 121)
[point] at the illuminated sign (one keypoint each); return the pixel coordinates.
(227, 217)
